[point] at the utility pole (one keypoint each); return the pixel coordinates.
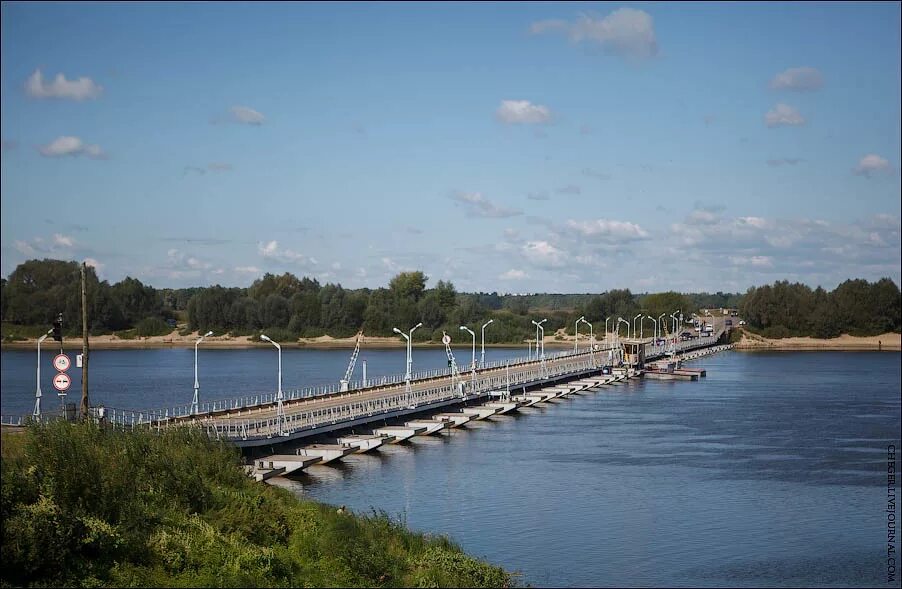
(84, 350)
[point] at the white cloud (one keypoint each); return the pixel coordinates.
(477, 205)
(80, 89)
(63, 240)
(626, 31)
(71, 146)
(522, 111)
(271, 250)
(513, 275)
(246, 115)
(798, 78)
(783, 115)
(757, 261)
(702, 217)
(608, 230)
(180, 261)
(872, 164)
(541, 195)
(247, 269)
(24, 248)
(543, 253)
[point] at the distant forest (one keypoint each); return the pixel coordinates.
(286, 307)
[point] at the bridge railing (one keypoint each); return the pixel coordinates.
(355, 406)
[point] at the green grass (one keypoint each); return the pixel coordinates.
(89, 506)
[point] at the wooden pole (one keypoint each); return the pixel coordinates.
(84, 351)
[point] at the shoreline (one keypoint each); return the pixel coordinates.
(890, 342)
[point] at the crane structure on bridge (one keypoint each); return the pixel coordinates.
(344, 383)
(452, 363)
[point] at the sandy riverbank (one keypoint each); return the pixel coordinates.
(174, 340)
(845, 342)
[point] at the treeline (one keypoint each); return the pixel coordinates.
(286, 307)
(856, 307)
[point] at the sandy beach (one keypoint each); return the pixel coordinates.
(749, 341)
(845, 342)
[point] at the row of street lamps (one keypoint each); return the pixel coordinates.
(540, 347)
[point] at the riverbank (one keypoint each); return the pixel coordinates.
(843, 343)
(325, 342)
(177, 510)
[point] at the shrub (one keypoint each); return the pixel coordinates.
(151, 326)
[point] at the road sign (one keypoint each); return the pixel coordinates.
(446, 339)
(61, 382)
(78, 360)
(61, 362)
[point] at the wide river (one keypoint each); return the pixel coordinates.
(769, 472)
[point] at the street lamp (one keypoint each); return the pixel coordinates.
(280, 411)
(622, 320)
(606, 330)
(591, 333)
(473, 364)
(409, 338)
(482, 357)
(576, 331)
(197, 384)
(539, 327)
(634, 323)
(653, 321)
(37, 393)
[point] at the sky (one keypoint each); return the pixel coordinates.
(517, 148)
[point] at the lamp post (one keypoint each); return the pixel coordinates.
(622, 320)
(591, 332)
(634, 323)
(653, 321)
(482, 356)
(37, 392)
(606, 330)
(409, 338)
(538, 328)
(280, 410)
(473, 364)
(196, 383)
(576, 331)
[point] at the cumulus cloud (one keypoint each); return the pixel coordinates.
(71, 146)
(608, 230)
(272, 251)
(23, 247)
(788, 161)
(626, 32)
(182, 261)
(783, 115)
(757, 261)
(247, 269)
(542, 253)
(476, 205)
(872, 164)
(246, 115)
(80, 89)
(63, 240)
(798, 78)
(513, 275)
(522, 111)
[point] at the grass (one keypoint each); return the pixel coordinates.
(84, 505)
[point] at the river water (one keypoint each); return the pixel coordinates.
(769, 472)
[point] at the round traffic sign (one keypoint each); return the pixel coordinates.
(446, 339)
(61, 362)
(61, 382)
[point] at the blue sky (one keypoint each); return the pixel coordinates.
(512, 147)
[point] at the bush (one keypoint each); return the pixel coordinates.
(151, 326)
(89, 505)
